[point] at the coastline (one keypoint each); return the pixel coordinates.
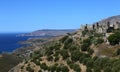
(19, 54)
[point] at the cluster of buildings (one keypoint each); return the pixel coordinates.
(102, 28)
(106, 28)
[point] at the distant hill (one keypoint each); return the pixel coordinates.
(112, 20)
(49, 32)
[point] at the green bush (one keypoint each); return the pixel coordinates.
(75, 55)
(114, 39)
(88, 41)
(67, 46)
(73, 48)
(49, 58)
(64, 54)
(85, 61)
(69, 62)
(56, 58)
(49, 52)
(85, 32)
(116, 65)
(90, 51)
(58, 69)
(37, 62)
(64, 69)
(52, 68)
(117, 52)
(29, 69)
(97, 69)
(100, 40)
(89, 63)
(86, 44)
(88, 69)
(84, 57)
(40, 71)
(107, 69)
(84, 47)
(63, 39)
(101, 62)
(98, 35)
(68, 41)
(43, 66)
(75, 67)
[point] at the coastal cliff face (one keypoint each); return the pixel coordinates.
(81, 51)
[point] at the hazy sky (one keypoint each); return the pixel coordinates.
(30, 15)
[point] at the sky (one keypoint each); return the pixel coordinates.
(31, 15)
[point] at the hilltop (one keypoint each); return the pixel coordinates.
(92, 48)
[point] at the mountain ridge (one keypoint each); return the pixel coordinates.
(49, 32)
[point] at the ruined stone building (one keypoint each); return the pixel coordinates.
(106, 28)
(102, 28)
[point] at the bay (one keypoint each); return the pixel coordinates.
(9, 41)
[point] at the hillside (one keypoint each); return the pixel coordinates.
(82, 51)
(8, 61)
(112, 20)
(49, 32)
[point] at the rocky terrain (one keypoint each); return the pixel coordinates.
(81, 51)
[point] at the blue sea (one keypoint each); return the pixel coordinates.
(9, 41)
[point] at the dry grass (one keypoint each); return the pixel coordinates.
(106, 50)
